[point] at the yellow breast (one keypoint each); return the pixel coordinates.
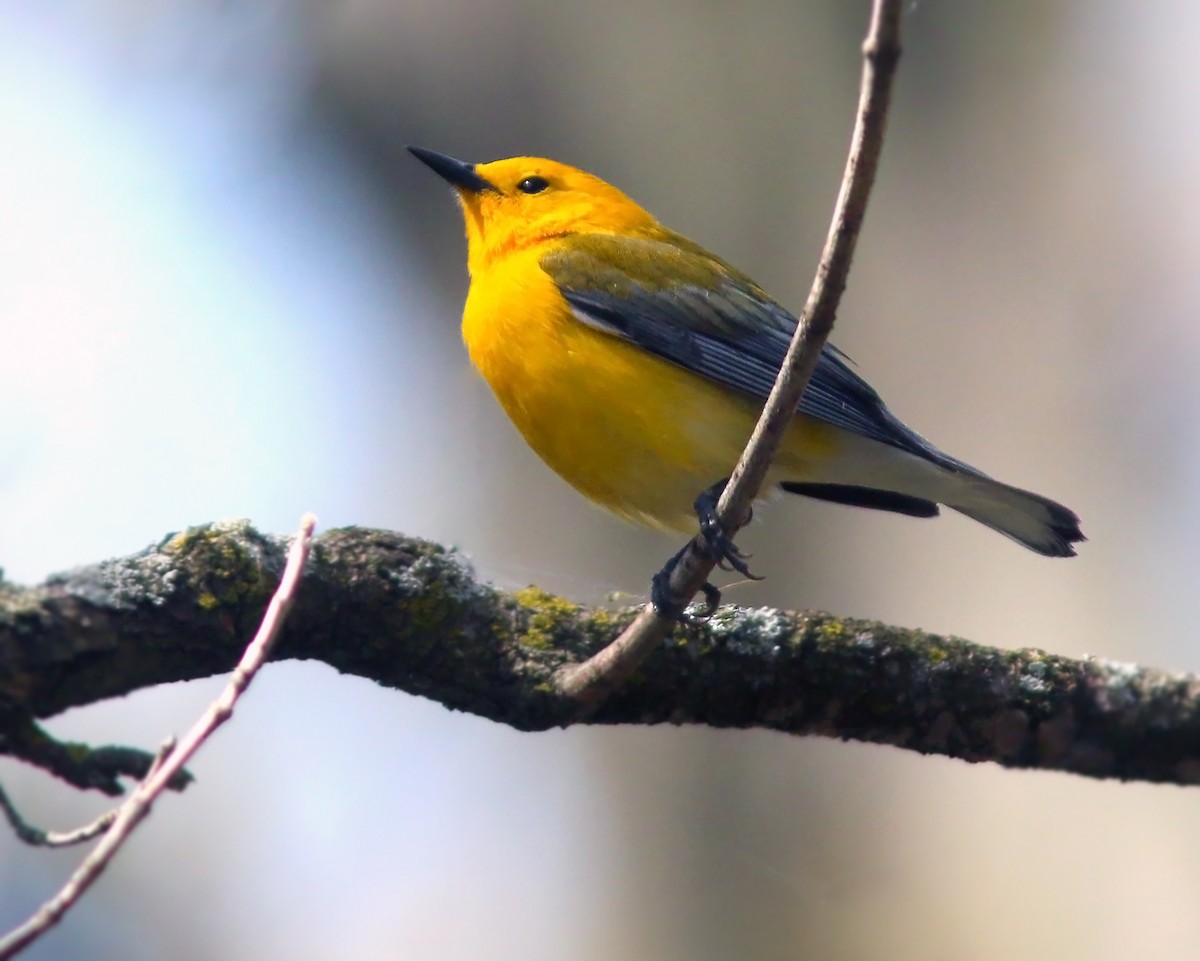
(635, 434)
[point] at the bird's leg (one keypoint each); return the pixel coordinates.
(665, 604)
(723, 549)
(718, 543)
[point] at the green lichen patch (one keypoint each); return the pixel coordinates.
(222, 565)
(546, 617)
(228, 564)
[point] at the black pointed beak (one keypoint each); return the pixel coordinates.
(457, 173)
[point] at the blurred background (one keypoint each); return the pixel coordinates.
(226, 291)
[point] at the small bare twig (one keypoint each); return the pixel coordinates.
(592, 681)
(36, 837)
(85, 767)
(171, 759)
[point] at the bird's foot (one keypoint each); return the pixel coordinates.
(664, 601)
(724, 551)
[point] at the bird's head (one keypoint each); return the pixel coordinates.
(510, 204)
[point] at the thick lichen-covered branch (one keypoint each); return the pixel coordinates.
(410, 615)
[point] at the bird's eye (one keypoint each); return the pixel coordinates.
(532, 185)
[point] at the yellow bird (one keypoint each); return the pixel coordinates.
(635, 363)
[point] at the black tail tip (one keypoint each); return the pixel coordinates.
(1065, 533)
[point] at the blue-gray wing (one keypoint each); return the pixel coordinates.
(679, 303)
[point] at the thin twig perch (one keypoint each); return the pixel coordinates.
(591, 682)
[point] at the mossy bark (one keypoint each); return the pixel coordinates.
(410, 615)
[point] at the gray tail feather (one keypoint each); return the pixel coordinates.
(1039, 523)
(916, 484)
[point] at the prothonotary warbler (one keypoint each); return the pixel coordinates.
(635, 363)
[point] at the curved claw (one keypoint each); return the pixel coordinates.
(712, 600)
(724, 550)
